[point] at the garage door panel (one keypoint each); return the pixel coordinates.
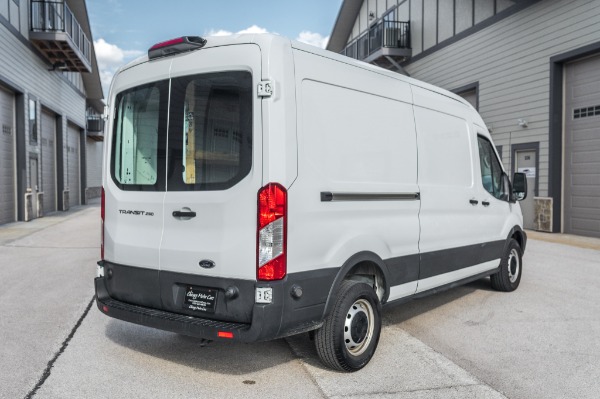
(584, 159)
(585, 225)
(587, 89)
(582, 148)
(7, 163)
(589, 202)
(587, 136)
(48, 127)
(73, 167)
(585, 191)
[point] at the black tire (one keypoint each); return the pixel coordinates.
(348, 338)
(511, 269)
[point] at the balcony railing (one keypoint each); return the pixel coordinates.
(58, 34)
(383, 35)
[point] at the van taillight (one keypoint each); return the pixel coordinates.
(271, 233)
(102, 207)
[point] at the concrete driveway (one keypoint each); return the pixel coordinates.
(538, 342)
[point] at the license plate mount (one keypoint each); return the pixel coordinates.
(200, 299)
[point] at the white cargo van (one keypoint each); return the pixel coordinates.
(256, 187)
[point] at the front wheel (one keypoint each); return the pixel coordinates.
(348, 338)
(511, 268)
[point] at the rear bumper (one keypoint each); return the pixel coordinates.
(189, 325)
(285, 316)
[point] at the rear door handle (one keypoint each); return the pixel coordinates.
(184, 214)
(485, 203)
(473, 202)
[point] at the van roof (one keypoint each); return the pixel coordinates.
(266, 40)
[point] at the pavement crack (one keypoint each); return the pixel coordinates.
(64, 345)
(300, 358)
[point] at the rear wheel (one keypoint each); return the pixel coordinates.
(348, 338)
(511, 268)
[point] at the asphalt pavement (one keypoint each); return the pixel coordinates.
(538, 342)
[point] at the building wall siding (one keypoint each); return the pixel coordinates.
(511, 62)
(22, 67)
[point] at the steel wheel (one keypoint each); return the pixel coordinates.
(358, 328)
(508, 276)
(349, 335)
(514, 266)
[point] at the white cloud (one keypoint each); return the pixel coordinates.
(219, 32)
(313, 38)
(254, 29)
(110, 57)
(222, 32)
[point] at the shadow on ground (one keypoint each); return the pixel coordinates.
(233, 358)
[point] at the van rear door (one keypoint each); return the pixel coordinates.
(214, 164)
(135, 167)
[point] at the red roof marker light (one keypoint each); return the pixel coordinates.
(176, 46)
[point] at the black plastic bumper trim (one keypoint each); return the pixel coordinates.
(178, 323)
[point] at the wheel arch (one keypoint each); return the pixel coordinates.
(363, 266)
(519, 236)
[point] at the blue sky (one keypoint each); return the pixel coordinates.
(125, 29)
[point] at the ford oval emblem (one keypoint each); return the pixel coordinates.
(207, 264)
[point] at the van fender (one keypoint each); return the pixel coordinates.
(519, 235)
(361, 258)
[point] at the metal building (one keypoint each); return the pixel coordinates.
(531, 68)
(50, 105)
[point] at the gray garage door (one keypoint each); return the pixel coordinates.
(73, 175)
(582, 148)
(48, 127)
(7, 163)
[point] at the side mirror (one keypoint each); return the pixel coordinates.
(520, 186)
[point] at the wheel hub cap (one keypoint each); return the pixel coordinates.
(358, 327)
(513, 266)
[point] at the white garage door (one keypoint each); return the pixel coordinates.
(73, 175)
(7, 157)
(582, 148)
(48, 127)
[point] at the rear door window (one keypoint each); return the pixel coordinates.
(139, 138)
(210, 132)
(209, 122)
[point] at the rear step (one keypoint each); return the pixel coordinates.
(182, 324)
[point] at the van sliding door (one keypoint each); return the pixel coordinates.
(451, 244)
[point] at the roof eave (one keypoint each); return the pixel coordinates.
(91, 81)
(343, 25)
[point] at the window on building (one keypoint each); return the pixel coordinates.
(33, 125)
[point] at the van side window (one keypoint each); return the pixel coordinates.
(210, 133)
(491, 171)
(135, 162)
